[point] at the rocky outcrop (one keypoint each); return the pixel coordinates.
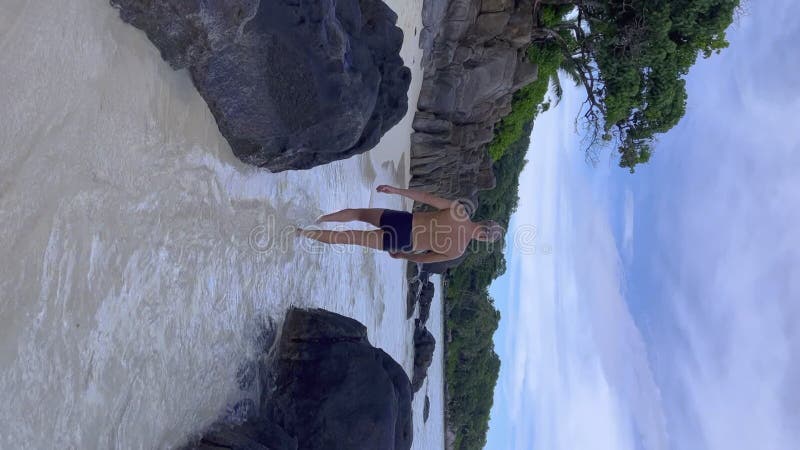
(414, 286)
(333, 389)
(328, 389)
(475, 59)
(292, 83)
(420, 293)
(425, 299)
(424, 345)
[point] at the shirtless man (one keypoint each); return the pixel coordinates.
(422, 237)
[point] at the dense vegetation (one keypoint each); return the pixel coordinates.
(528, 101)
(632, 56)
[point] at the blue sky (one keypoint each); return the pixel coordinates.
(660, 310)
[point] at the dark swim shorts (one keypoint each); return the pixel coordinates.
(396, 226)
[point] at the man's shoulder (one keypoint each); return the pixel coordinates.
(462, 210)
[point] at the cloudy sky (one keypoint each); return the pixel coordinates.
(661, 310)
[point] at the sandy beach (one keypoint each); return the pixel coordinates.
(140, 259)
(395, 146)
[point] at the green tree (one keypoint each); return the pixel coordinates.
(631, 57)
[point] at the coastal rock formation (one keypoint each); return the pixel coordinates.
(292, 83)
(420, 292)
(475, 59)
(333, 389)
(425, 299)
(414, 286)
(328, 389)
(424, 345)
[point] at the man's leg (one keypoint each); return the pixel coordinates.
(369, 238)
(369, 215)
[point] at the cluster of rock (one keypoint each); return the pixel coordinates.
(475, 59)
(292, 84)
(420, 293)
(326, 388)
(424, 345)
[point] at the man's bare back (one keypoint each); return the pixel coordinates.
(445, 231)
(424, 237)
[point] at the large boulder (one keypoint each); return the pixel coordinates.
(334, 390)
(292, 83)
(420, 291)
(424, 345)
(328, 389)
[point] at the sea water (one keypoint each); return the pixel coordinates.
(139, 260)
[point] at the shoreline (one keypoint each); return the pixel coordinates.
(392, 156)
(394, 148)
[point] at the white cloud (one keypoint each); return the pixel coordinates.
(627, 231)
(731, 254)
(735, 285)
(578, 376)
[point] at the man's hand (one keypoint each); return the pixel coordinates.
(386, 189)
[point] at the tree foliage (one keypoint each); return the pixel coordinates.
(632, 56)
(472, 366)
(529, 101)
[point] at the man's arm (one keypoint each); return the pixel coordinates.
(424, 258)
(419, 196)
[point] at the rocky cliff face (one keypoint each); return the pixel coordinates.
(474, 62)
(327, 389)
(292, 83)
